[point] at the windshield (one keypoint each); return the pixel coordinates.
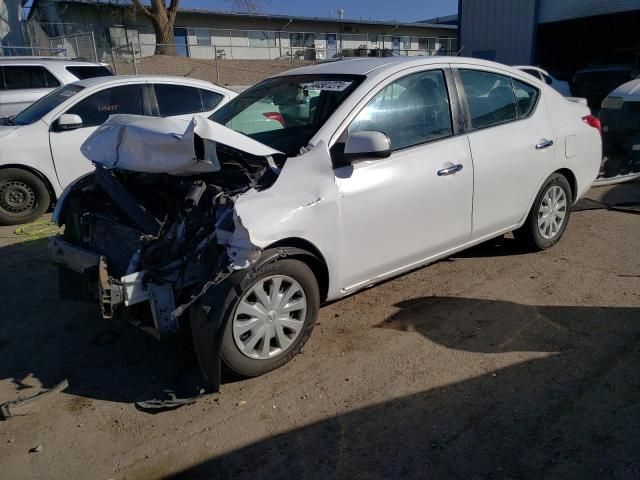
(286, 112)
(39, 109)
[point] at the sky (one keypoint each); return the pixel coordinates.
(410, 11)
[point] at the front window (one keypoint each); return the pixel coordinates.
(39, 109)
(286, 112)
(410, 111)
(96, 109)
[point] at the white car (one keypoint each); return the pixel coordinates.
(398, 162)
(560, 86)
(40, 146)
(23, 80)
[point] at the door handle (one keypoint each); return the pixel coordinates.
(449, 170)
(544, 144)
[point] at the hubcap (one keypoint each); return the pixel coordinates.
(552, 212)
(16, 197)
(269, 317)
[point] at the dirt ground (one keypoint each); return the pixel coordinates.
(492, 364)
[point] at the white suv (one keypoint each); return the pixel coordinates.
(40, 146)
(24, 80)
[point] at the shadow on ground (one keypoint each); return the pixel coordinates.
(44, 340)
(571, 413)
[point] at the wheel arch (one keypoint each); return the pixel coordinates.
(571, 178)
(37, 173)
(314, 260)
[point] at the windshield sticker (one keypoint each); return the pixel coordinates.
(329, 85)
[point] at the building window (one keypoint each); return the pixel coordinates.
(406, 43)
(302, 40)
(203, 37)
(373, 39)
(261, 39)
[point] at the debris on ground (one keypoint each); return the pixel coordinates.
(15, 407)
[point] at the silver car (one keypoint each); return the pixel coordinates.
(24, 80)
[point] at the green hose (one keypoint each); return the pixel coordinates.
(34, 231)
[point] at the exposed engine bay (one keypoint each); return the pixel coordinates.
(151, 240)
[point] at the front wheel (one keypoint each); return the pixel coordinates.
(266, 322)
(549, 215)
(23, 196)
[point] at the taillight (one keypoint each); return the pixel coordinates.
(274, 116)
(593, 121)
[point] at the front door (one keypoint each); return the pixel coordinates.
(94, 110)
(415, 204)
(181, 38)
(513, 144)
(395, 44)
(332, 48)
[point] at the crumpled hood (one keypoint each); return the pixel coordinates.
(164, 145)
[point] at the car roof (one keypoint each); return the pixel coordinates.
(48, 60)
(90, 82)
(366, 66)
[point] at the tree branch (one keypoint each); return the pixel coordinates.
(173, 10)
(141, 8)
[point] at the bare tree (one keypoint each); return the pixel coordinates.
(162, 18)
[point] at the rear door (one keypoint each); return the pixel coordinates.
(512, 143)
(94, 109)
(22, 85)
(401, 210)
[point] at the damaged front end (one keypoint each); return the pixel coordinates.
(146, 244)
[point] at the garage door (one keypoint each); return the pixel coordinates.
(556, 10)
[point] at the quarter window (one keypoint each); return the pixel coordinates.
(28, 77)
(526, 96)
(95, 109)
(209, 99)
(410, 111)
(489, 96)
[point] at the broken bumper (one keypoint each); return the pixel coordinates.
(84, 275)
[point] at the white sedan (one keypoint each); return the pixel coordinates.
(40, 146)
(560, 86)
(380, 166)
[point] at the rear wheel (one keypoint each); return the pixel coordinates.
(23, 196)
(549, 215)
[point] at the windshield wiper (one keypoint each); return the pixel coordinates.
(6, 121)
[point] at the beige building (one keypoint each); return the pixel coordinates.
(209, 34)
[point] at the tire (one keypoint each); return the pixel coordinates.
(23, 196)
(536, 234)
(235, 300)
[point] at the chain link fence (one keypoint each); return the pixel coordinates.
(55, 40)
(223, 56)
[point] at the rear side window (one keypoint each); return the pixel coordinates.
(177, 99)
(24, 77)
(209, 99)
(95, 109)
(410, 111)
(526, 98)
(89, 71)
(489, 96)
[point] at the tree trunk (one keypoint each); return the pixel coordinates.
(165, 41)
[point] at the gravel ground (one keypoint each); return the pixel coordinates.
(492, 364)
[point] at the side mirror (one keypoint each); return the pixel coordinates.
(68, 121)
(367, 144)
